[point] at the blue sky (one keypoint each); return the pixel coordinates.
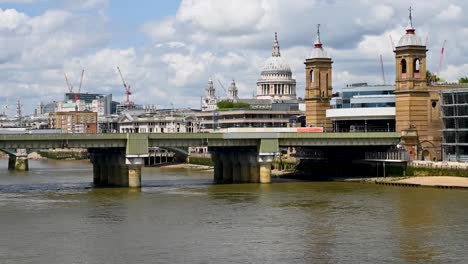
(169, 49)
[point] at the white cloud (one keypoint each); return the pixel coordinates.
(224, 39)
(11, 19)
(160, 31)
(454, 72)
(451, 13)
(222, 17)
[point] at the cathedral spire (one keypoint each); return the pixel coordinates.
(276, 47)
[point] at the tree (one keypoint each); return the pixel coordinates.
(463, 80)
(432, 78)
(226, 104)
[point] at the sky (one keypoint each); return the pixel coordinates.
(168, 50)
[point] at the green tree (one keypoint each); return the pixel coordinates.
(463, 80)
(226, 104)
(432, 78)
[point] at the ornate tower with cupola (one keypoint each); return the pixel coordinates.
(416, 104)
(233, 92)
(410, 55)
(318, 91)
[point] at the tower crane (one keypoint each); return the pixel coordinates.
(382, 69)
(70, 86)
(391, 42)
(127, 89)
(441, 58)
(77, 95)
(222, 86)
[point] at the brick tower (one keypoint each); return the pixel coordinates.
(318, 86)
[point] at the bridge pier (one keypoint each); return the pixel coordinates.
(18, 161)
(134, 171)
(112, 169)
(233, 165)
(265, 162)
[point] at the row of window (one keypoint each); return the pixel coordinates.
(416, 66)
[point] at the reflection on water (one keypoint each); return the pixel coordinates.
(52, 214)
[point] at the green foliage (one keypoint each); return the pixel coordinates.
(225, 104)
(200, 161)
(285, 165)
(394, 171)
(432, 78)
(412, 171)
(463, 80)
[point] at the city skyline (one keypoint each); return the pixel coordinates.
(168, 55)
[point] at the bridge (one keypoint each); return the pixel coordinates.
(238, 156)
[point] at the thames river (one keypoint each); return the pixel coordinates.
(51, 214)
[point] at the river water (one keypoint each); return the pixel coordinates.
(51, 214)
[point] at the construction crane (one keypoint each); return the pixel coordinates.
(70, 86)
(5, 107)
(441, 58)
(222, 86)
(391, 42)
(382, 68)
(127, 89)
(77, 95)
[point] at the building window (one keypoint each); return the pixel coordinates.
(416, 64)
(311, 77)
(403, 66)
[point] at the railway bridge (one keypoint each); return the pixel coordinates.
(238, 156)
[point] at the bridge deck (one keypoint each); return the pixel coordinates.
(202, 139)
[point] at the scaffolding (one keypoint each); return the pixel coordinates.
(454, 110)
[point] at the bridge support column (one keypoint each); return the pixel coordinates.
(218, 167)
(265, 162)
(244, 167)
(134, 171)
(236, 167)
(241, 166)
(109, 168)
(19, 162)
(226, 159)
(254, 169)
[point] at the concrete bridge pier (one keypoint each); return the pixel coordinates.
(254, 169)
(18, 161)
(218, 167)
(134, 171)
(233, 165)
(226, 160)
(265, 161)
(110, 168)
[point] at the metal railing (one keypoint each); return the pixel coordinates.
(387, 156)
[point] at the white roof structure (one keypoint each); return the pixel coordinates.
(318, 52)
(276, 63)
(276, 81)
(410, 38)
